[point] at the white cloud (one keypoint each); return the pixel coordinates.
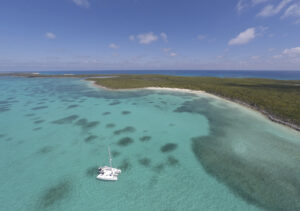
(113, 46)
(131, 37)
(292, 51)
(292, 11)
(147, 38)
(166, 50)
(271, 9)
(271, 49)
(241, 5)
(277, 56)
(201, 37)
(255, 57)
(255, 2)
(289, 55)
(244, 37)
(261, 30)
(50, 35)
(82, 3)
(164, 36)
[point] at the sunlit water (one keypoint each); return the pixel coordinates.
(177, 151)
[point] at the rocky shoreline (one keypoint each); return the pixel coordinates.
(263, 112)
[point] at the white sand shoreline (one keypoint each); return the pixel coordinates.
(198, 92)
(201, 92)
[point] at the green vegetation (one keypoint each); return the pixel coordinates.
(278, 99)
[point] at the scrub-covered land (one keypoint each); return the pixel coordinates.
(278, 99)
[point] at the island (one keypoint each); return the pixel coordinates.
(279, 100)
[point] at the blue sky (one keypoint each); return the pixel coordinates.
(149, 34)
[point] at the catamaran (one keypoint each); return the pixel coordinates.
(108, 172)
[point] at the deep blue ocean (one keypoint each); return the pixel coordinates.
(282, 75)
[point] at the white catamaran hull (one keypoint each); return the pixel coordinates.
(108, 172)
(107, 168)
(108, 178)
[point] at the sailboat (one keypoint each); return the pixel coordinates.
(108, 172)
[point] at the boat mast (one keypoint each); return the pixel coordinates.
(110, 160)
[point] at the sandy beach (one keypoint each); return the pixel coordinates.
(201, 92)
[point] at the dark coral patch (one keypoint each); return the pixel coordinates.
(66, 120)
(92, 171)
(125, 141)
(168, 147)
(115, 153)
(4, 108)
(159, 168)
(115, 103)
(55, 194)
(29, 115)
(172, 161)
(110, 125)
(73, 106)
(90, 138)
(2, 135)
(145, 162)
(81, 122)
(86, 125)
(90, 125)
(4, 102)
(105, 113)
(39, 108)
(269, 185)
(126, 112)
(158, 106)
(127, 129)
(145, 138)
(39, 121)
(200, 106)
(45, 149)
(125, 165)
(37, 128)
(8, 139)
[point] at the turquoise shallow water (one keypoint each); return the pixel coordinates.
(177, 151)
